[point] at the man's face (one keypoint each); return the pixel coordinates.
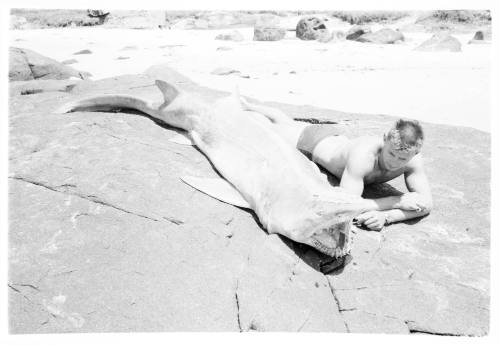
(393, 159)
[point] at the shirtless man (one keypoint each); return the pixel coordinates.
(364, 160)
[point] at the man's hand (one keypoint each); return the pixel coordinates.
(373, 220)
(412, 202)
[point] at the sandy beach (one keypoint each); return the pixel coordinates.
(438, 87)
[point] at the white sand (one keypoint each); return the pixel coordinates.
(449, 88)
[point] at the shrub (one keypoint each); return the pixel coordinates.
(462, 16)
(362, 17)
(56, 18)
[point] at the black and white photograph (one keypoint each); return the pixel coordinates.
(248, 170)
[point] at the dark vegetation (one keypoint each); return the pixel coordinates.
(66, 18)
(450, 16)
(56, 18)
(363, 17)
(462, 16)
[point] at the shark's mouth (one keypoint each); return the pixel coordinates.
(334, 239)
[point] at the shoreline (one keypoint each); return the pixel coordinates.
(394, 80)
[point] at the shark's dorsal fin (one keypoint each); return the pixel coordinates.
(169, 91)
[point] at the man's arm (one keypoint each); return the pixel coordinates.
(420, 194)
(358, 165)
(416, 182)
(354, 172)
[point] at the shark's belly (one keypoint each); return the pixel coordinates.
(266, 169)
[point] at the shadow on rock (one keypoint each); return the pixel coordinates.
(317, 260)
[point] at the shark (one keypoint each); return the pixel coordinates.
(259, 170)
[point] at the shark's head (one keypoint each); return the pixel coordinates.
(333, 212)
(333, 237)
(325, 224)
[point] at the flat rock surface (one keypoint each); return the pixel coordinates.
(104, 236)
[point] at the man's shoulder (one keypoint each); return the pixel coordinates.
(368, 145)
(415, 163)
(363, 154)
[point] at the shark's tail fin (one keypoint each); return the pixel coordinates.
(177, 109)
(118, 101)
(108, 103)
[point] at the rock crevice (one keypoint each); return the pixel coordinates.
(91, 198)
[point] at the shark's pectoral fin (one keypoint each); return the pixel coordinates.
(217, 188)
(181, 139)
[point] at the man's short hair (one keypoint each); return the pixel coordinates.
(406, 135)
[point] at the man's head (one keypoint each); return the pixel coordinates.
(403, 141)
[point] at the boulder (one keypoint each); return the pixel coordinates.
(182, 24)
(312, 28)
(25, 64)
(129, 48)
(382, 36)
(19, 69)
(85, 74)
(481, 36)
(325, 38)
(224, 71)
(440, 42)
(357, 30)
(18, 22)
(83, 52)
(234, 35)
(267, 29)
(69, 61)
(97, 13)
(268, 34)
(100, 14)
(338, 35)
